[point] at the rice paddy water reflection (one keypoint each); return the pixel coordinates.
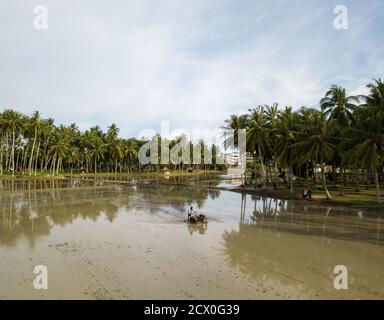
(102, 240)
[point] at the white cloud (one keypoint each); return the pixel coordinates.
(191, 62)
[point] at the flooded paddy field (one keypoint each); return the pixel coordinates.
(105, 241)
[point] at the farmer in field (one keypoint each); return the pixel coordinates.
(191, 213)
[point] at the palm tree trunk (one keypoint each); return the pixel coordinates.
(299, 169)
(10, 154)
(13, 152)
(58, 164)
(377, 186)
(307, 173)
(262, 165)
(44, 157)
(53, 164)
(356, 178)
(276, 174)
(31, 158)
(24, 160)
(334, 176)
(327, 194)
(37, 156)
(291, 179)
(342, 182)
(6, 151)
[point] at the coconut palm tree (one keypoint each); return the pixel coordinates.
(131, 150)
(13, 122)
(318, 143)
(287, 136)
(306, 118)
(367, 137)
(58, 151)
(257, 136)
(47, 132)
(35, 126)
(232, 127)
(337, 105)
(74, 158)
(112, 133)
(375, 98)
(272, 115)
(98, 149)
(368, 141)
(118, 152)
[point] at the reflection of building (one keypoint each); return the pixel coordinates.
(232, 159)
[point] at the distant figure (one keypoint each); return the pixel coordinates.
(190, 213)
(193, 217)
(307, 194)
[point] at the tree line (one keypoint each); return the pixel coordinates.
(345, 135)
(31, 145)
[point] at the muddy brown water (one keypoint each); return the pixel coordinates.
(131, 242)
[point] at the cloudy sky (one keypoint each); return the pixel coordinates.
(192, 62)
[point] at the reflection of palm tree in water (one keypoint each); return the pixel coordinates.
(24, 216)
(21, 221)
(262, 207)
(268, 249)
(34, 216)
(175, 196)
(289, 216)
